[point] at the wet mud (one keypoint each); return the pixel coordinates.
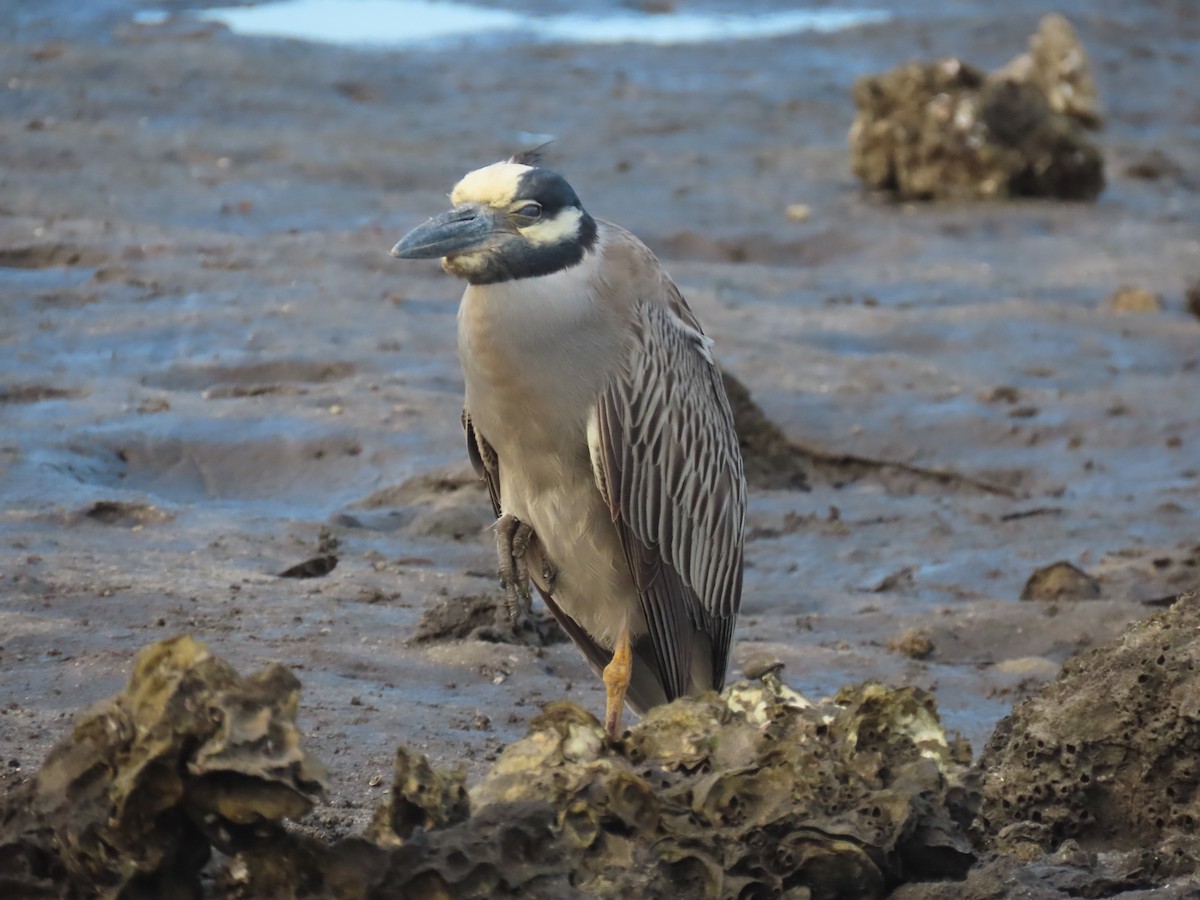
(212, 376)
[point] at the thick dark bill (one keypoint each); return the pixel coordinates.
(456, 231)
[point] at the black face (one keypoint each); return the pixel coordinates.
(542, 196)
(549, 189)
(542, 230)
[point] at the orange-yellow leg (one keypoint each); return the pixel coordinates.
(616, 682)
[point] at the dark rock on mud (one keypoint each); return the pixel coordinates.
(485, 617)
(1060, 581)
(40, 256)
(314, 567)
(1191, 298)
(320, 565)
(1155, 165)
(770, 458)
(1108, 755)
(118, 512)
(928, 131)
(900, 580)
(761, 664)
(35, 393)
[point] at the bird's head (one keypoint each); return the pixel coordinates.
(508, 220)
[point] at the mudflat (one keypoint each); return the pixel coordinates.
(211, 371)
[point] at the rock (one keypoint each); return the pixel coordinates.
(901, 580)
(731, 795)
(130, 802)
(735, 795)
(927, 131)
(1087, 790)
(1003, 393)
(651, 7)
(744, 793)
(1191, 298)
(914, 643)
(1107, 755)
(485, 617)
(1155, 165)
(420, 797)
(1057, 63)
(1060, 581)
(313, 567)
(1132, 300)
(762, 665)
(129, 515)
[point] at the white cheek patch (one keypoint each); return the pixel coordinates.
(562, 227)
(494, 185)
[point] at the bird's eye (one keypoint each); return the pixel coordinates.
(530, 211)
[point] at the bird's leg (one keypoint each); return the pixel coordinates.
(616, 682)
(512, 540)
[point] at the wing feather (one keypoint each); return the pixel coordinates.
(672, 471)
(483, 460)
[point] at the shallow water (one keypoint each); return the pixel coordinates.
(408, 22)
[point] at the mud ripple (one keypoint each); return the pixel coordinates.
(220, 460)
(49, 256)
(37, 393)
(249, 378)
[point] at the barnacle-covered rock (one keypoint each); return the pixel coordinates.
(1057, 63)
(945, 129)
(1089, 790)
(1109, 754)
(420, 797)
(125, 805)
(751, 793)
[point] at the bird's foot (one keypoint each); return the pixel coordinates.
(617, 675)
(512, 542)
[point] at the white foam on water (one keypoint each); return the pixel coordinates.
(406, 22)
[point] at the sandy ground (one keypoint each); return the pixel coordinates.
(208, 360)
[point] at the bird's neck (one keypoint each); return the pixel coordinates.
(539, 340)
